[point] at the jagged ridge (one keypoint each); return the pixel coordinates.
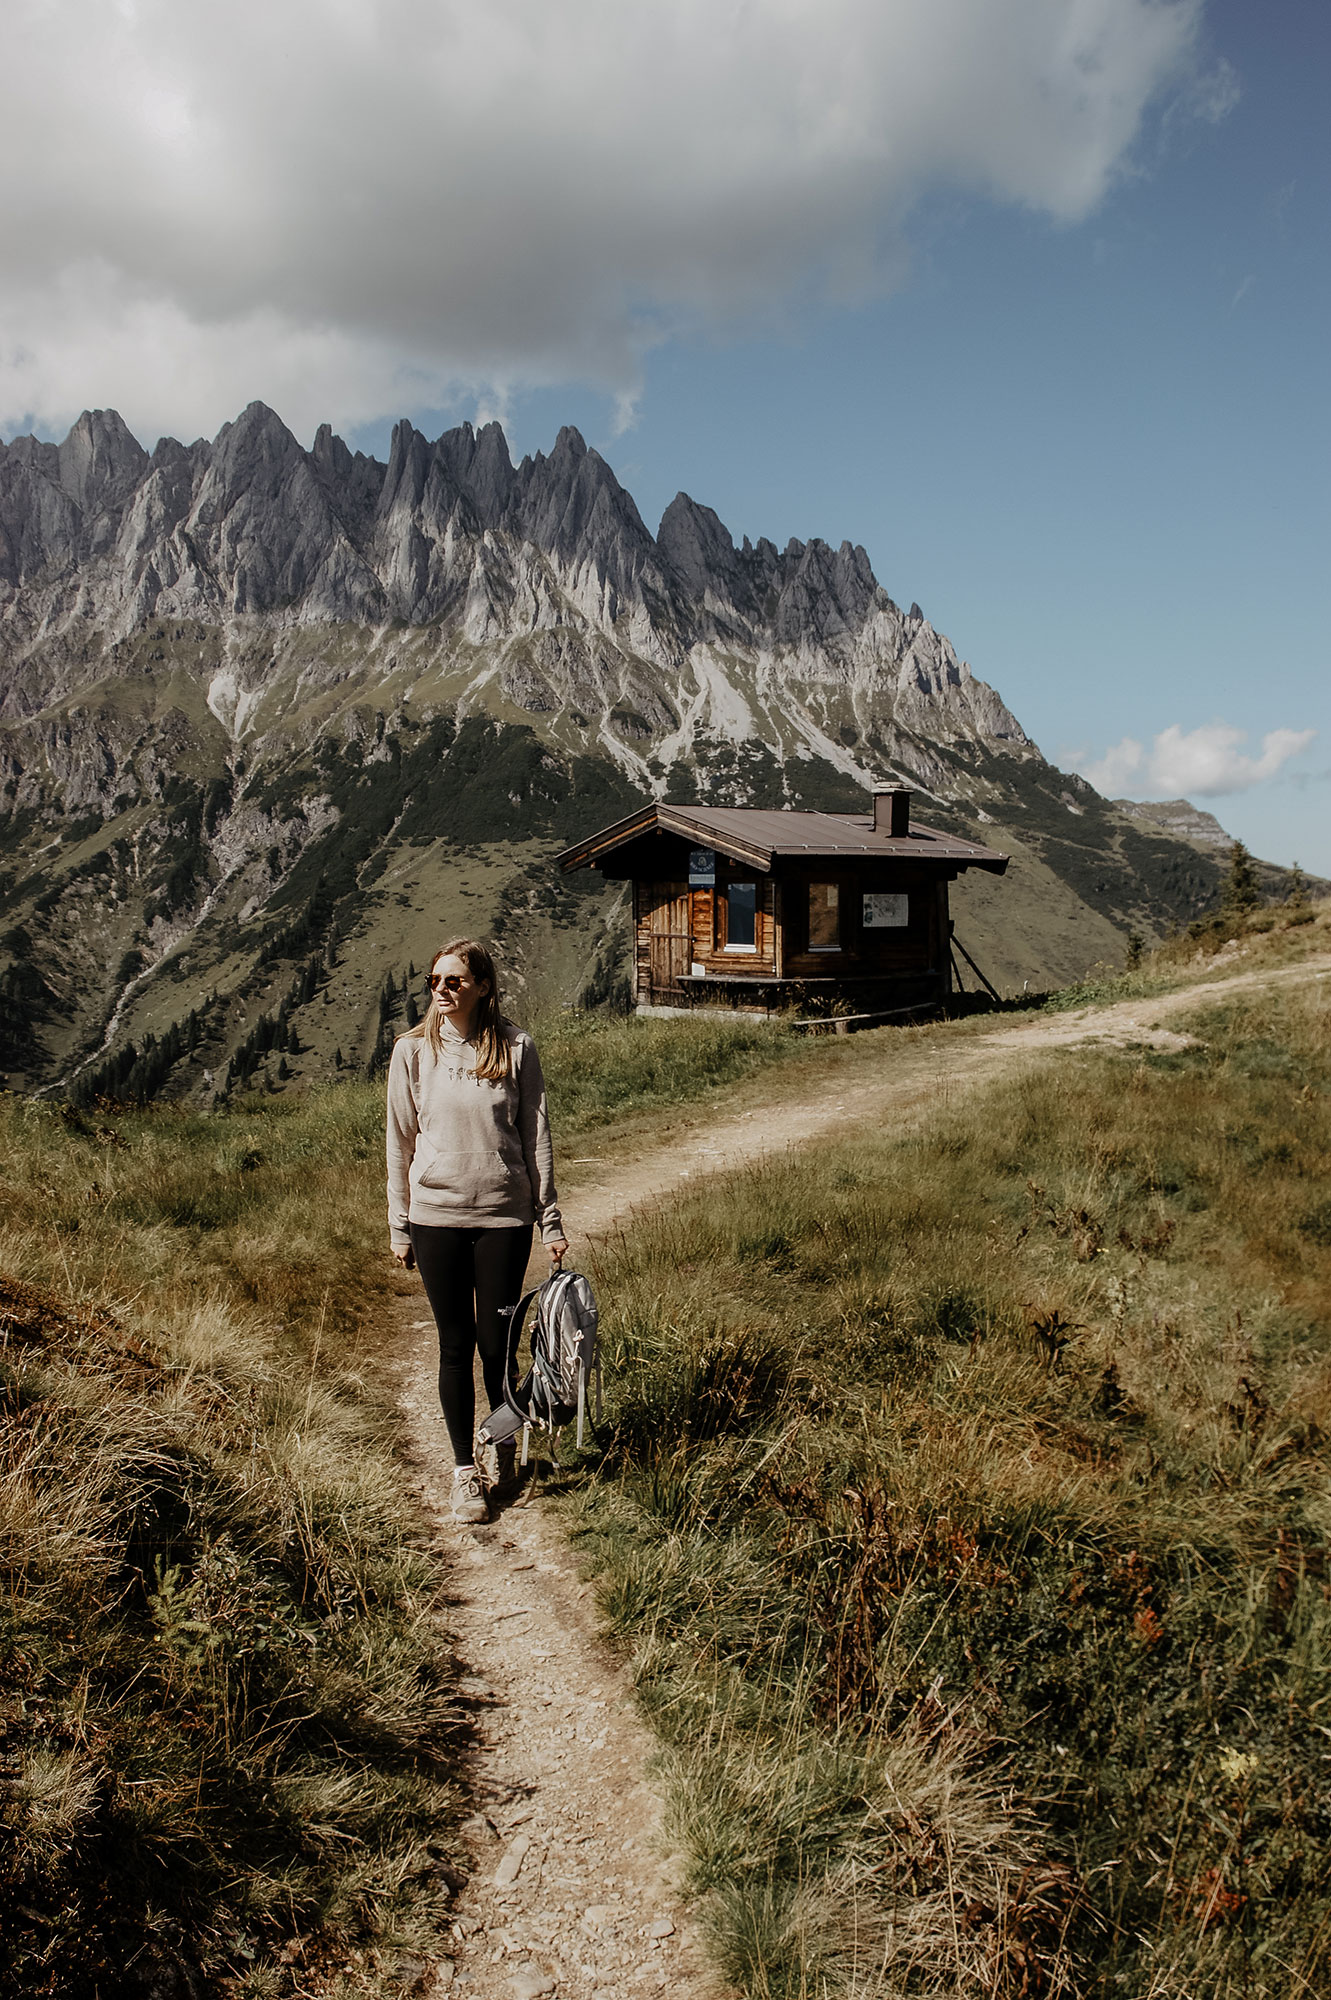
(546, 565)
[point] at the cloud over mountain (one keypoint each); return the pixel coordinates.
(349, 208)
(1189, 763)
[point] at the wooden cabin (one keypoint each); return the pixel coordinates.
(828, 913)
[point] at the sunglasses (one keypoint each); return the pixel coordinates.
(454, 981)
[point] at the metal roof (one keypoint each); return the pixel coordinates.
(756, 836)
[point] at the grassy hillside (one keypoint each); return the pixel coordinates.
(965, 1513)
(228, 1708)
(166, 885)
(966, 1516)
(211, 894)
(225, 1692)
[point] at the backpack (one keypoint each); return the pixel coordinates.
(564, 1363)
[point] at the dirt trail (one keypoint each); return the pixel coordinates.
(571, 1892)
(914, 1079)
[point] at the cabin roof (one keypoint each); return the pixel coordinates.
(757, 837)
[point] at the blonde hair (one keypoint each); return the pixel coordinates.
(490, 1032)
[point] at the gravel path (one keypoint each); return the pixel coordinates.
(572, 1892)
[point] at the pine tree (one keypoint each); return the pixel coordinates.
(1241, 893)
(1296, 892)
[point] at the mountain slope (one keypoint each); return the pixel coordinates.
(272, 721)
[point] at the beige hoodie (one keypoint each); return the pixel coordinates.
(465, 1153)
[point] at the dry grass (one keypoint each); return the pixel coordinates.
(1213, 948)
(969, 1525)
(228, 1731)
(227, 1727)
(970, 1530)
(603, 1068)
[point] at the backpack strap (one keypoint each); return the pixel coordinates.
(515, 1314)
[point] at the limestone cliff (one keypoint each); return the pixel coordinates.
(539, 580)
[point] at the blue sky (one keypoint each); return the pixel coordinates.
(1071, 395)
(1096, 453)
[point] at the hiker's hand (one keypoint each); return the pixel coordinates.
(405, 1259)
(558, 1252)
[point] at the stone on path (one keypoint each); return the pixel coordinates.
(509, 1869)
(529, 1983)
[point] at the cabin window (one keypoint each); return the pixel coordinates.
(824, 916)
(741, 916)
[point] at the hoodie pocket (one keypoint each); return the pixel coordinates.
(466, 1176)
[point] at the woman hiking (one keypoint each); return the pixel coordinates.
(470, 1170)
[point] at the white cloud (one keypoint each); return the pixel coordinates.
(1193, 763)
(346, 205)
(1212, 93)
(1116, 772)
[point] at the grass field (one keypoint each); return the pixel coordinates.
(227, 1712)
(225, 1695)
(967, 1515)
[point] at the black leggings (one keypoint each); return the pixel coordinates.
(468, 1275)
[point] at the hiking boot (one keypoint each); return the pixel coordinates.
(469, 1501)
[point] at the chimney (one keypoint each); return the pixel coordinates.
(891, 811)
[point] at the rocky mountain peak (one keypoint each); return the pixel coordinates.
(255, 454)
(698, 546)
(409, 460)
(330, 454)
(101, 461)
(478, 464)
(572, 506)
(170, 451)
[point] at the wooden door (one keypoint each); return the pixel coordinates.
(670, 941)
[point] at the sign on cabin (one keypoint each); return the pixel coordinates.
(824, 913)
(885, 912)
